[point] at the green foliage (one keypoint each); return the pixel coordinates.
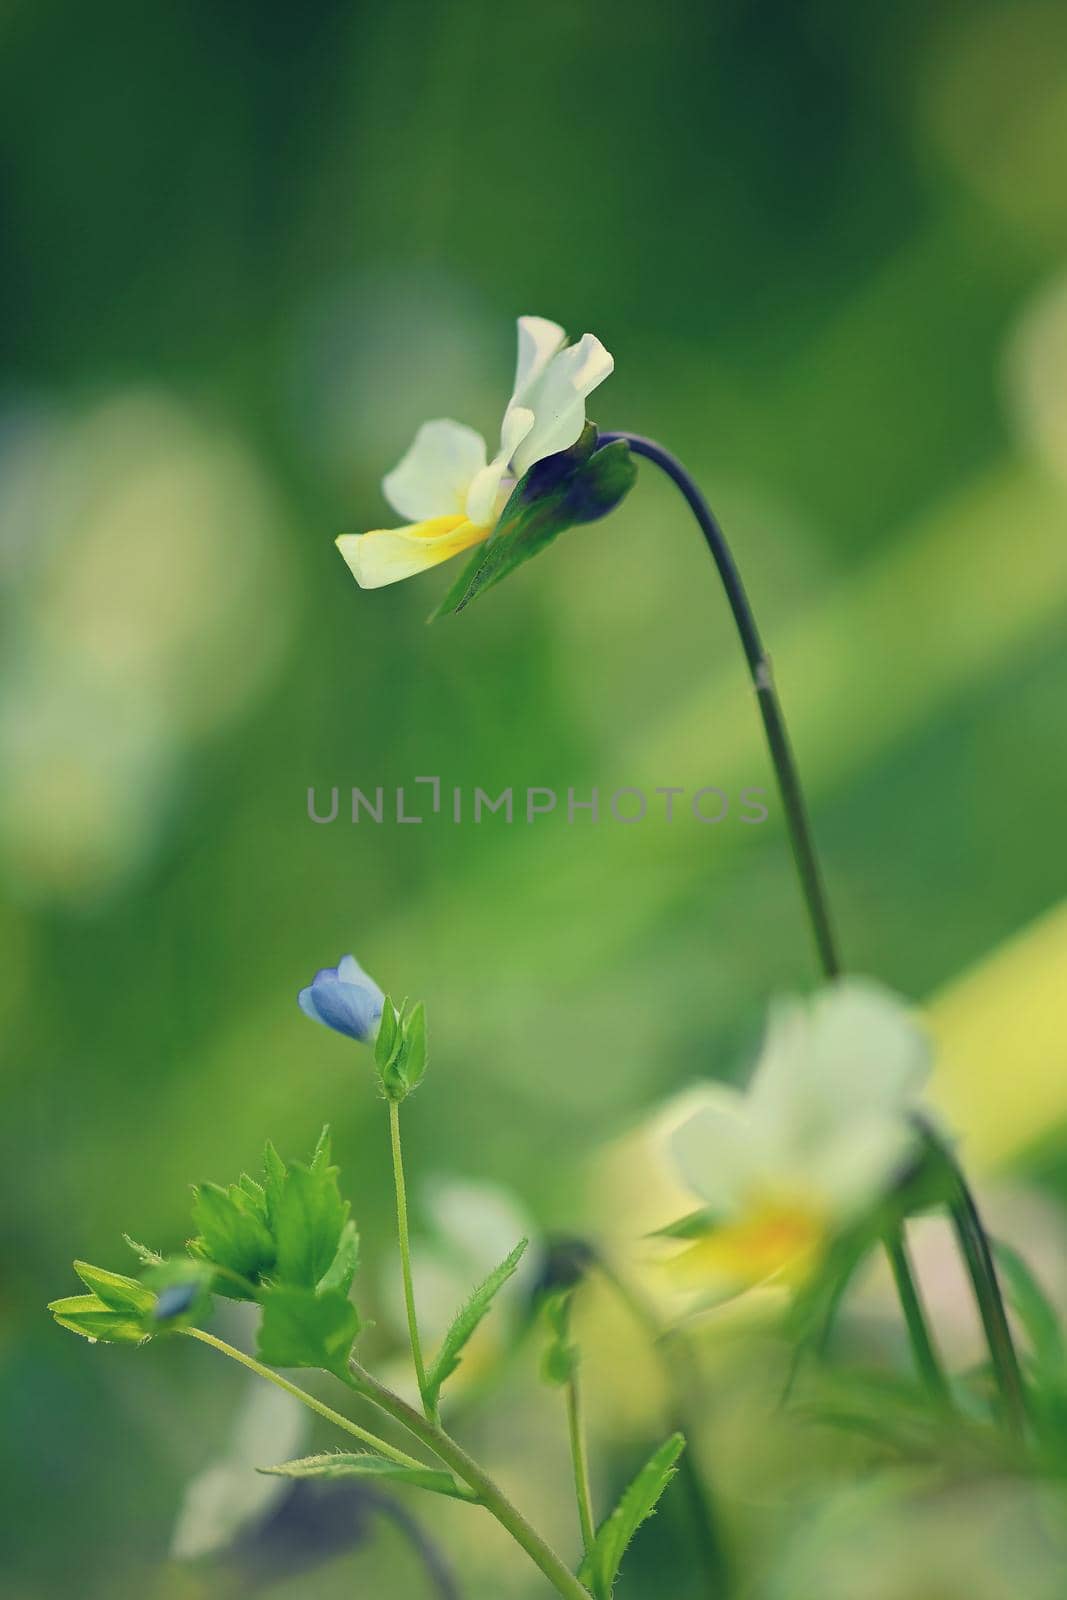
(561, 1356)
(401, 1050)
(577, 485)
(310, 1226)
(1036, 1313)
(466, 1321)
(307, 1328)
(94, 1319)
(600, 1568)
(363, 1464)
(692, 1226)
(233, 1236)
(117, 1292)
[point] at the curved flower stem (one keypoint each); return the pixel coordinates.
(380, 1446)
(926, 1356)
(580, 1459)
(759, 666)
(405, 1253)
(432, 1435)
(800, 833)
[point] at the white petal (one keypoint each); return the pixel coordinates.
(484, 498)
(434, 476)
(557, 400)
(716, 1149)
(859, 1163)
(539, 340)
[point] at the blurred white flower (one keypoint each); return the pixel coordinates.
(230, 1495)
(448, 485)
(818, 1135)
(144, 605)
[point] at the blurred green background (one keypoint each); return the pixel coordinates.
(246, 250)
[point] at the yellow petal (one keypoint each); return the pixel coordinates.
(770, 1242)
(386, 555)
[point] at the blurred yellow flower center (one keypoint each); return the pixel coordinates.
(774, 1239)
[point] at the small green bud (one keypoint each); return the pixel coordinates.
(401, 1050)
(560, 1358)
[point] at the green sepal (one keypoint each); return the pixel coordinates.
(117, 1292)
(90, 1316)
(365, 1465)
(146, 1256)
(694, 1225)
(560, 1358)
(575, 486)
(600, 1568)
(233, 1234)
(401, 1049)
(303, 1328)
(466, 1321)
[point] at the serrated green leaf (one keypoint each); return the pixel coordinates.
(365, 1465)
(88, 1315)
(117, 1292)
(342, 1268)
(232, 1233)
(303, 1329)
(600, 1568)
(146, 1256)
(466, 1321)
(308, 1218)
(576, 486)
(1034, 1310)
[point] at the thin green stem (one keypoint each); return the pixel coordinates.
(380, 1446)
(431, 1434)
(405, 1254)
(926, 1357)
(974, 1243)
(580, 1458)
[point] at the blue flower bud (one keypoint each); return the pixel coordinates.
(176, 1300)
(344, 998)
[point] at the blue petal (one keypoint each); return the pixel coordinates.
(344, 998)
(306, 1001)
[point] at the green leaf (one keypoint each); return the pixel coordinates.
(600, 1568)
(575, 486)
(342, 1268)
(88, 1315)
(365, 1465)
(117, 1292)
(448, 1357)
(303, 1329)
(308, 1218)
(233, 1234)
(561, 1356)
(1034, 1310)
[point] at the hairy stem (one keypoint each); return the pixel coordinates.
(580, 1459)
(405, 1253)
(380, 1446)
(431, 1434)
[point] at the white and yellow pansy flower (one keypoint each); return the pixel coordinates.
(818, 1136)
(447, 484)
